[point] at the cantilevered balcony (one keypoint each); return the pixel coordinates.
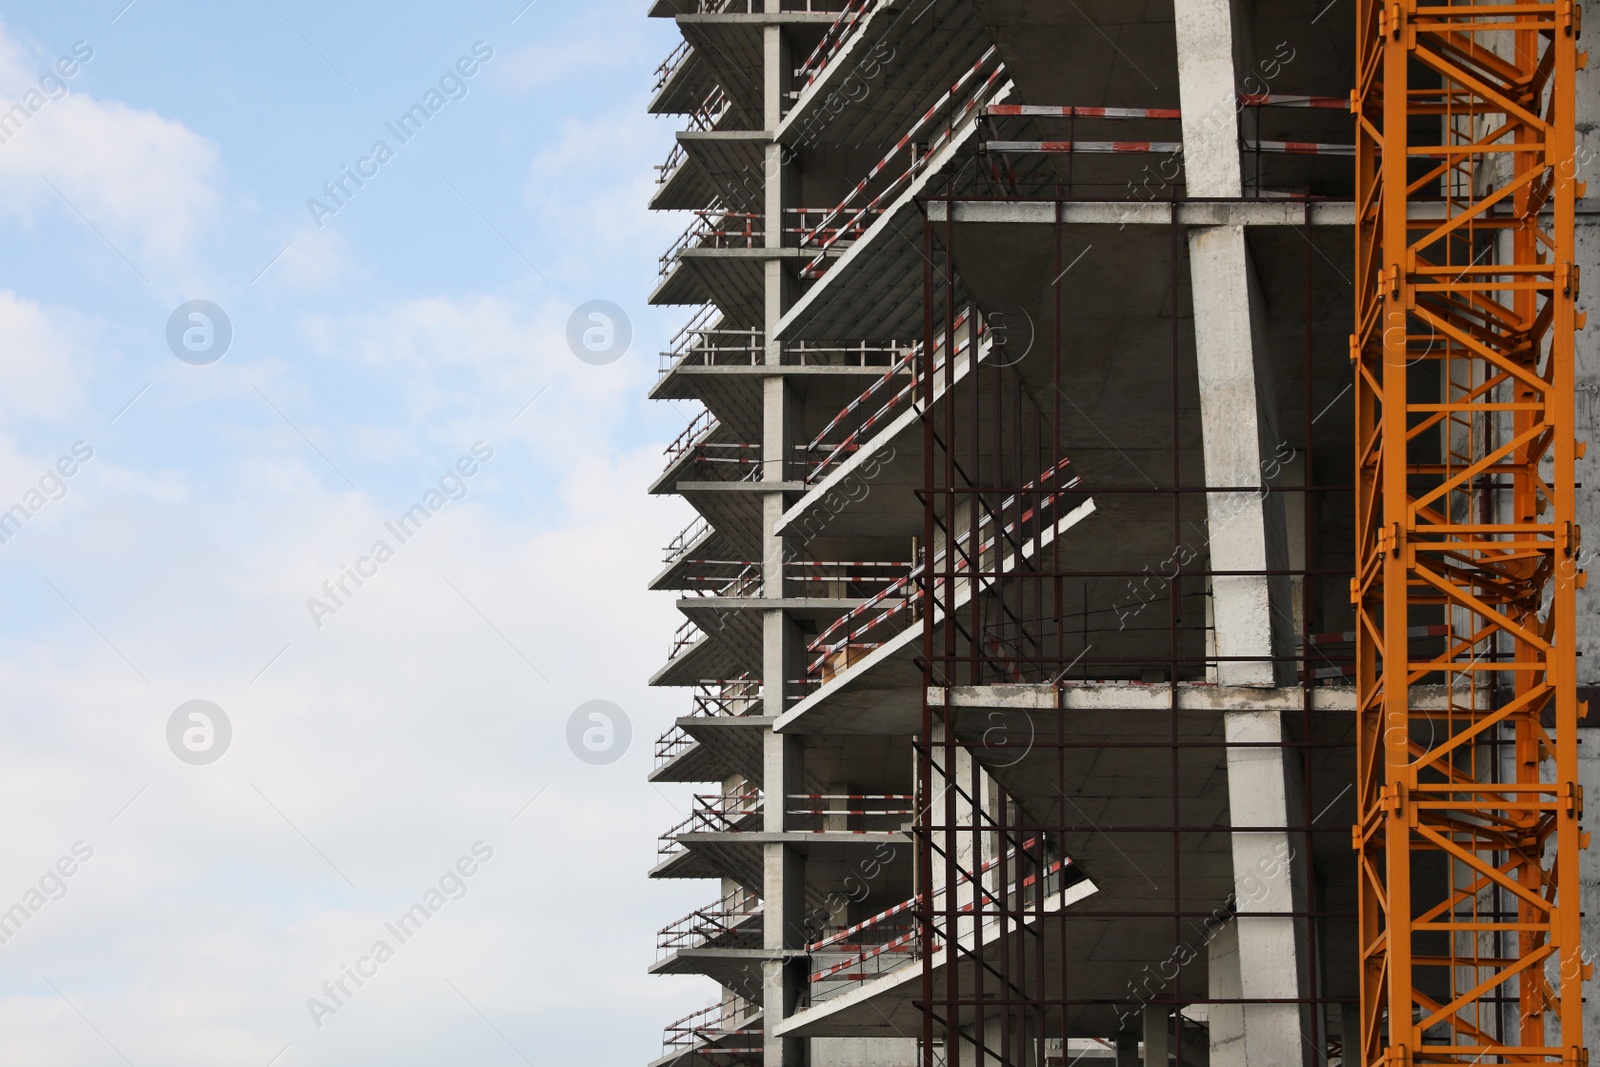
(721, 940)
(718, 258)
(721, 735)
(727, 1032)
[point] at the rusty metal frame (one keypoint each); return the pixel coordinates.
(1014, 989)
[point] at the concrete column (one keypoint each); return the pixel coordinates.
(783, 873)
(783, 902)
(992, 1038)
(1157, 1036)
(1128, 1049)
(1269, 955)
(1208, 55)
(1225, 1022)
(1253, 615)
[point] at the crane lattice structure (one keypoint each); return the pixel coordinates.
(1467, 764)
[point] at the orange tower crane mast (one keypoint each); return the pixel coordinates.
(1467, 770)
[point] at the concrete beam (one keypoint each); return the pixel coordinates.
(1190, 696)
(1151, 213)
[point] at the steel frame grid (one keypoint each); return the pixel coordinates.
(1030, 1017)
(1464, 355)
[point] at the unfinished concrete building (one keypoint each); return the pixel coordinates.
(1134, 606)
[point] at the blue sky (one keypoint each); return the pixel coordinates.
(369, 354)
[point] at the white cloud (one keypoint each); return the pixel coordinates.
(144, 180)
(406, 728)
(44, 358)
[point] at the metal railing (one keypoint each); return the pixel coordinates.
(715, 227)
(816, 224)
(675, 159)
(700, 427)
(848, 813)
(739, 696)
(708, 923)
(861, 629)
(711, 813)
(711, 110)
(714, 1024)
(857, 210)
(745, 581)
(853, 954)
(683, 638)
(756, 7)
(726, 461)
(670, 66)
(686, 539)
(843, 578)
(833, 41)
(862, 418)
(706, 343)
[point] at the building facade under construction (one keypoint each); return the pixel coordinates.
(1135, 607)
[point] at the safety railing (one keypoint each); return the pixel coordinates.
(670, 66)
(709, 814)
(874, 407)
(675, 159)
(844, 957)
(708, 923)
(865, 627)
(814, 224)
(672, 744)
(715, 227)
(710, 577)
(843, 578)
(833, 41)
(686, 539)
(700, 427)
(848, 813)
(837, 354)
(974, 89)
(710, 344)
(714, 1024)
(725, 461)
(735, 697)
(756, 7)
(720, 347)
(684, 638)
(710, 111)
(746, 583)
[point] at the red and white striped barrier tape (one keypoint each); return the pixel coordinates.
(1087, 147)
(1047, 111)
